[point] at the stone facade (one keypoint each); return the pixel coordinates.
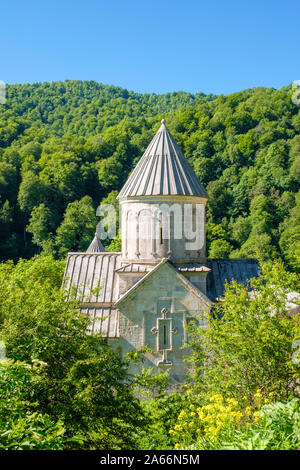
(155, 313)
(154, 227)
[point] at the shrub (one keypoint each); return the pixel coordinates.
(248, 342)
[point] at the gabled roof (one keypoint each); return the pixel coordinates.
(191, 287)
(163, 170)
(96, 245)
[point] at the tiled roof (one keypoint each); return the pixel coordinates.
(163, 170)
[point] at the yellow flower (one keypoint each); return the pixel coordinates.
(192, 407)
(221, 409)
(238, 416)
(208, 407)
(217, 398)
(178, 427)
(232, 401)
(177, 446)
(206, 419)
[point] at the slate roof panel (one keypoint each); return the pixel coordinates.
(222, 270)
(104, 320)
(87, 271)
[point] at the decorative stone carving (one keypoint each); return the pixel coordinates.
(164, 330)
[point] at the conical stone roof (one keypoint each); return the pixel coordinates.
(163, 170)
(96, 245)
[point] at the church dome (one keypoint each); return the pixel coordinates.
(163, 170)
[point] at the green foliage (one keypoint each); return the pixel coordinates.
(40, 224)
(38, 322)
(72, 391)
(101, 403)
(248, 344)
(115, 245)
(33, 431)
(149, 384)
(78, 226)
(22, 427)
(162, 414)
(219, 249)
(278, 428)
(290, 236)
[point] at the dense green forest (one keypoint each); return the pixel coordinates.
(67, 146)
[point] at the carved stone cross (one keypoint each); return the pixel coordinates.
(164, 332)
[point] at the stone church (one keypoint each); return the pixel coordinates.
(162, 278)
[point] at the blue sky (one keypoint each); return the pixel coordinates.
(152, 46)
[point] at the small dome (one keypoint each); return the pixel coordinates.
(96, 245)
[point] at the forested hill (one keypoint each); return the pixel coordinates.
(84, 108)
(66, 146)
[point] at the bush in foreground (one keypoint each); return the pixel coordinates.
(71, 381)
